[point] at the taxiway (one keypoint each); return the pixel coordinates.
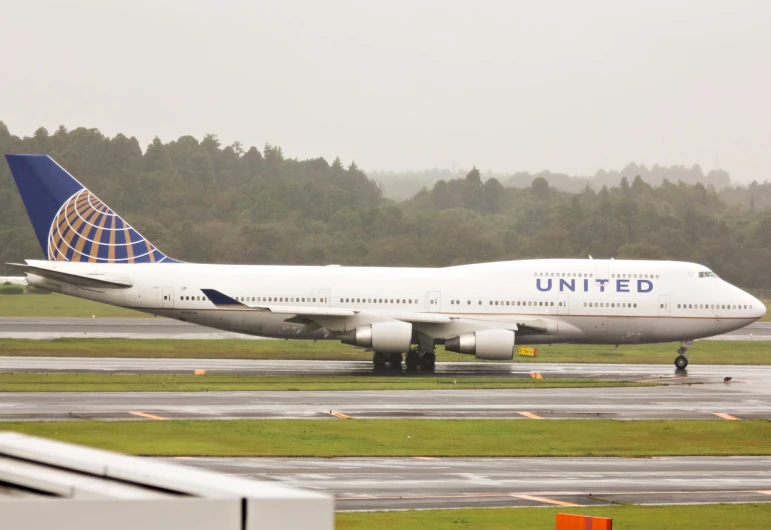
(422, 482)
(699, 394)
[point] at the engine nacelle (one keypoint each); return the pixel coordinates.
(384, 337)
(488, 344)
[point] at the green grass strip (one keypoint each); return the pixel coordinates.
(703, 352)
(97, 382)
(335, 437)
(702, 517)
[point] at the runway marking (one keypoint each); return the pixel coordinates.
(536, 375)
(148, 416)
(339, 415)
(538, 498)
(663, 492)
(725, 416)
(530, 415)
(425, 497)
(544, 500)
(199, 372)
(424, 458)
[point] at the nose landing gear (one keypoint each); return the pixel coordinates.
(681, 362)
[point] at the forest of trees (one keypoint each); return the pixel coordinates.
(406, 184)
(204, 202)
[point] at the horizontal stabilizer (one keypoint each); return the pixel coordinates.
(97, 280)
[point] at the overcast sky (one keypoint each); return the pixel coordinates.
(509, 85)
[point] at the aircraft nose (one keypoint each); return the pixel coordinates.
(758, 307)
(761, 308)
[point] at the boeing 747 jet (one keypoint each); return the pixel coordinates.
(485, 309)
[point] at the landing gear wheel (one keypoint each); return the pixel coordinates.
(395, 360)
(681, 362)
(379, 359)
(429, 361)
(412, 360)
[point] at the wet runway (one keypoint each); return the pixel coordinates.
(701, 394)
(163, 328)
(415, 483)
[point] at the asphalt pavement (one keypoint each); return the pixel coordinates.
(422, 482)
(701, 393)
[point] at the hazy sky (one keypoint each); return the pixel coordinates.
(568, 86)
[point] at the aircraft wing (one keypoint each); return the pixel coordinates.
(433, 324)
(303, 313)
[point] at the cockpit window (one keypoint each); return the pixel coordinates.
(707, 274)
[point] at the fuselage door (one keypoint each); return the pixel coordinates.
(562, 304)
(167, 300)
(664, 305)
(324, 297)
(434, 301)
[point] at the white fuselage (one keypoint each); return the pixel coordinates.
(566, 300)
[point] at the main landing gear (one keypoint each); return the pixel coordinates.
(379, 360)
(681, 362)
(420, 360)
(414, 360)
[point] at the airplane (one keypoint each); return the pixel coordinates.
(485, 309)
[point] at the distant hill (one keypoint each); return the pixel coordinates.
(404, 185)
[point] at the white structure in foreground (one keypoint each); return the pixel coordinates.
(46, 484)
(13, 280)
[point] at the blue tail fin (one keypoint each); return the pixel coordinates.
(70, 222)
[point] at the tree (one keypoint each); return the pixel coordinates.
(540, 188)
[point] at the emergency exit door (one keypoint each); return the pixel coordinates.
(434, 301)
(562, 304)
(324, 297)
(167, 299)
(664, 305)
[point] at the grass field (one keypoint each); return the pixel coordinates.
(701, 517)
(482, 438)
(95, 382)
(703, 352)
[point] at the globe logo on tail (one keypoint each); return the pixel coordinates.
(87, 230)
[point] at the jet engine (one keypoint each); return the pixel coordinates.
(488, 344)
(383, 337)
